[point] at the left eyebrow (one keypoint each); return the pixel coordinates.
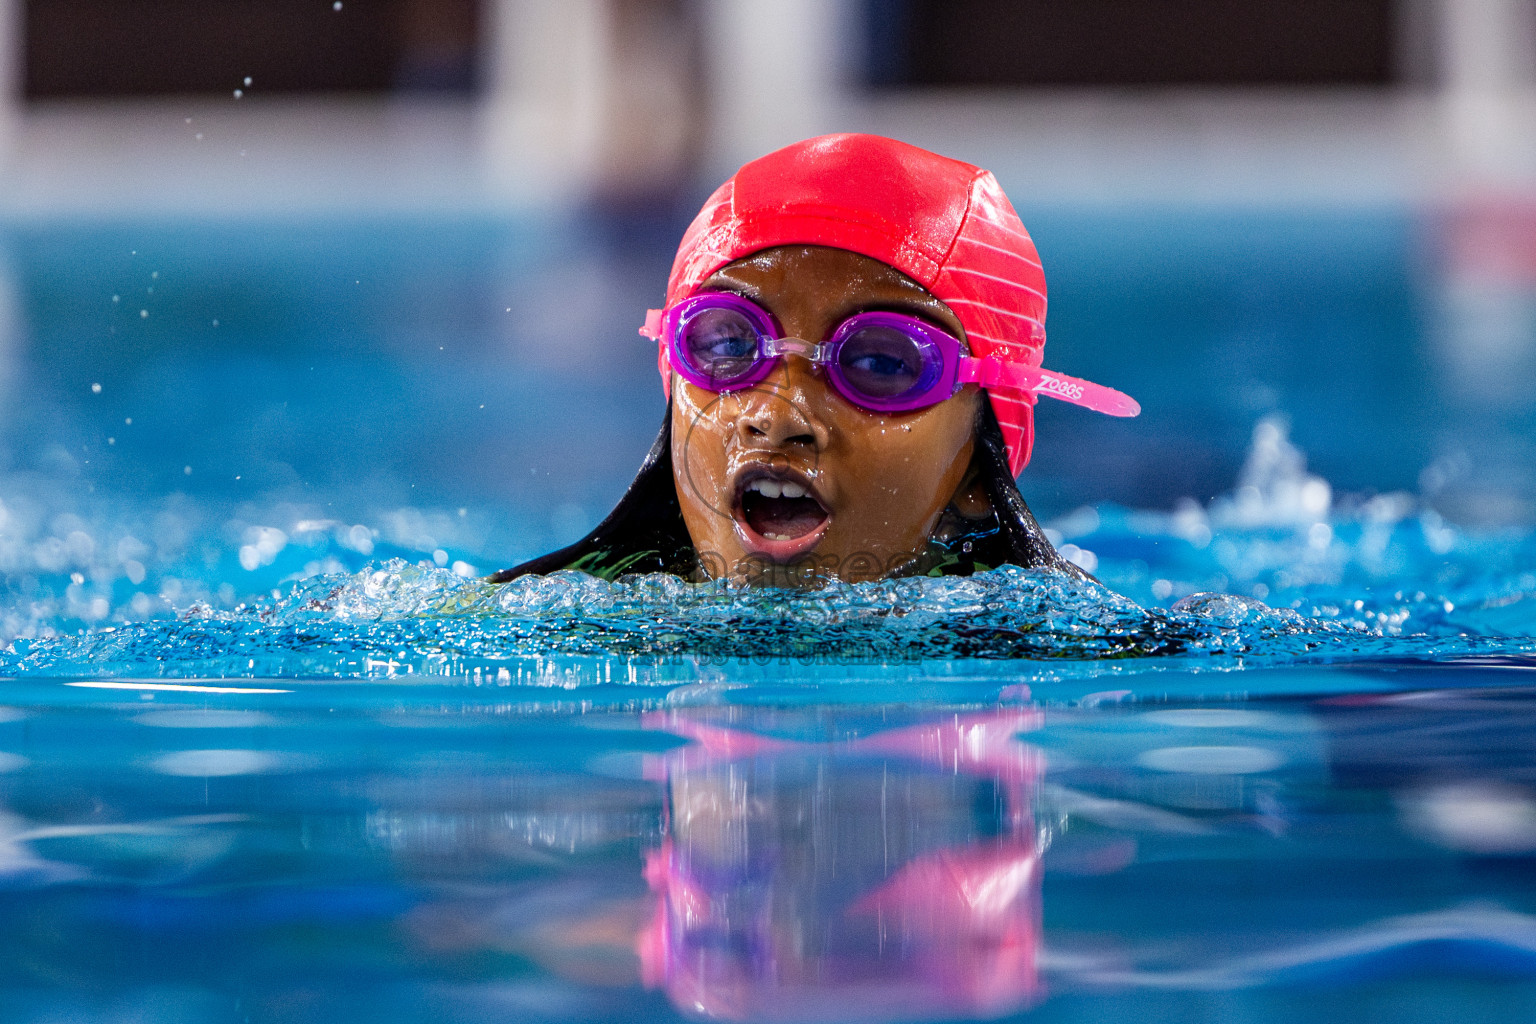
(913, 307)
(746, 291)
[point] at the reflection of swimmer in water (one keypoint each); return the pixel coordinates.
(891, 877)
(833, 316)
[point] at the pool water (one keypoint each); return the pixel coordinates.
(271, 751)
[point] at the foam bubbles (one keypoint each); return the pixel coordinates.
(418, 619)
(261, 546)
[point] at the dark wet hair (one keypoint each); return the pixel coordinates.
(645, 532)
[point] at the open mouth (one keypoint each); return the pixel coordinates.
(781, 509)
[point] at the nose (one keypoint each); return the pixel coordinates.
(784, 411)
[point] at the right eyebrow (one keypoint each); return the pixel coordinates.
(733, 287)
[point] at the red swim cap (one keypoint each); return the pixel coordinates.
(943, 223)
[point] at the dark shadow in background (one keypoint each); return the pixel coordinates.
(1131, 42)
(167, 47)
(97, 48)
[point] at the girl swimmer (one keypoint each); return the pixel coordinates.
(851, 348)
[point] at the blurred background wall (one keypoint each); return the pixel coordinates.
(473, 102)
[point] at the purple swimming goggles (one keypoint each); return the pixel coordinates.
(880, 361)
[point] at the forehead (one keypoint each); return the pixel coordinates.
(817, 283)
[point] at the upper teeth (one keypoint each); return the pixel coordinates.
(777, 488)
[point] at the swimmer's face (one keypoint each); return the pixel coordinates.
(788, 482)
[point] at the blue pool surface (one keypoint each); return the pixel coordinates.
(271, 751)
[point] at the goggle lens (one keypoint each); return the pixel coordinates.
(720, 344)
(882, 361)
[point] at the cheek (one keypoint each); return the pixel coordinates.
(698, 447)
(917, 456)
(689, 404)
(697, 413)
(693, 420)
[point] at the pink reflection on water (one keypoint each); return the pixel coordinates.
(888, 877)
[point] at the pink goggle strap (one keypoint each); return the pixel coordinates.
(994, 373)
(652, 326)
